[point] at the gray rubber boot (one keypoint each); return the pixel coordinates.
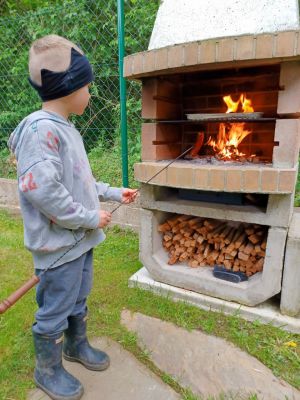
(49, 373)
(77, 348)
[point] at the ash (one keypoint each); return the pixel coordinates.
(210, 160)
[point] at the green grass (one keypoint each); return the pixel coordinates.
(115, 261)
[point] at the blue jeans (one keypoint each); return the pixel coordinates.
(62, 292)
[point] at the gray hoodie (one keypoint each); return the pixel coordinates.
(59, 196)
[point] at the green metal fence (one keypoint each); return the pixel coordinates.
(93, 25)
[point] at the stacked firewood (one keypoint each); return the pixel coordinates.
(201, 242)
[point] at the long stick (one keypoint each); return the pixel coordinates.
(157, 173)
(15, 296)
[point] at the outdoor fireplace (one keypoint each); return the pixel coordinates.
(237, 102)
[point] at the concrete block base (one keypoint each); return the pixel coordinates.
(290, 292)
(267, 312)
(257, 289)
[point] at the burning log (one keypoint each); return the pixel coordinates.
(207, 242)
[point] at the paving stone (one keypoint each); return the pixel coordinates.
(125, 379)
(208, 365)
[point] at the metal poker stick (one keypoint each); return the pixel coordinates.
(14, 297)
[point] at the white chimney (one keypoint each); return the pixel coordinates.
(181, 21)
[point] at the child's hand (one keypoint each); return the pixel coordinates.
(129, 195)
(105, 218)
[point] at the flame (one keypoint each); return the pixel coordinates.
(232, 106)
(231, 135)
(228, 140)
(246, 104)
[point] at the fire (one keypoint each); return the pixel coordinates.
(231, 135)
(232, 106)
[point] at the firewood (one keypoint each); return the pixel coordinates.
(248, 249)
(264, 244)
(173, 221)
(225, 232)
(216, 230)
(227, 264)
(182, 225)
(220, 259)
(233, 253)
(229, 237)
(193, 263)
(240, 240)
(235, 268)
(168, 236)
(254, 238)
(179, 250)
(261, 253)
(250, 231)
(243, 256)
(259, 265)
(199, 257)
(168, 244)
(213, 255)
(175, 229)
(230, 248)
(164, 227)
(200, 239)
(190, 250)
(183, 256)
(211, 224)
(206, 251)
(220, 233)
(194, 221)
(183, 217)
(187, 232)
(177, 237)
(173, 260)
(195, 235)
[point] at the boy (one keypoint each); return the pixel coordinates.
(59, 198)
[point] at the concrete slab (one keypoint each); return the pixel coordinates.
(125, 379)
(267, 312)
(290, 293)
(208, 365)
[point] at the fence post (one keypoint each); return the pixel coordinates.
(122, 83)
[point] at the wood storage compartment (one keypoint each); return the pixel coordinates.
(181, 250)
(200, 242)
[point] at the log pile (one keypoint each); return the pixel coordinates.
(201, 242)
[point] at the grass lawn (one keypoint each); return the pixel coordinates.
(115, 261)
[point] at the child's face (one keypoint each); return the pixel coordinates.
(79, 100)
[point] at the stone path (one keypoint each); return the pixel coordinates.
(208, 365)
(125, 379)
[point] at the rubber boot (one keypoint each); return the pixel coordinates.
(49, 373)
(77, 348)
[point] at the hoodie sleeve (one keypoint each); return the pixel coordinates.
(106, 192)
(40, 180)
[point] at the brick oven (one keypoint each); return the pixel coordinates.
(238, 99)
